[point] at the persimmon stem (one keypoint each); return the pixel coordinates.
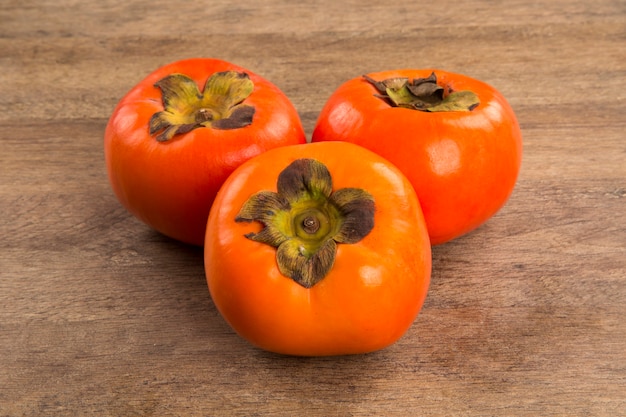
(311, 225)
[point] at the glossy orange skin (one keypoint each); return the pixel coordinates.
(372, 294)
(463, 165)
(171, 185)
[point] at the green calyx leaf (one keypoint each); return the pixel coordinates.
(305, 220)
(219, 106)
(423, 94)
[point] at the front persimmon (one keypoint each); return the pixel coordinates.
(176, 136)
(318, 249)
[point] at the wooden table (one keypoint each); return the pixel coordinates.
(101, 316)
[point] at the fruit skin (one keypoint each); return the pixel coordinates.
(463, 165)
(171, 185)
(372, 294)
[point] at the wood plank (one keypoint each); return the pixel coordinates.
(99, 315)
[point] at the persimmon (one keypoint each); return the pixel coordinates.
(174, 138)
(318, 249)
(455, 138)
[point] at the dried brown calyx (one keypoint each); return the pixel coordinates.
(219, 105)
(423, 94)
(306, 220)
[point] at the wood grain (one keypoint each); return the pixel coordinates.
(101, 316)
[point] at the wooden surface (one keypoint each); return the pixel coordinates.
(101, 316)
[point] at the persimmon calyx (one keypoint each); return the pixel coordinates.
(306, 220)
(423, 94)
(219, 105)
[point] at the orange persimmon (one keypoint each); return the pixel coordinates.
(455, 138)
(318, 249)
(175, 137)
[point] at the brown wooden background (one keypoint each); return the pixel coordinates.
(101, 316)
